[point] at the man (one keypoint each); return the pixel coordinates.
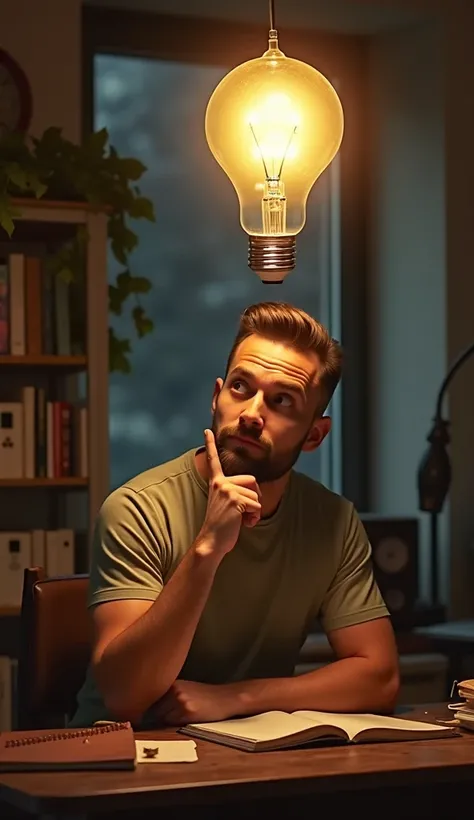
(208, 571)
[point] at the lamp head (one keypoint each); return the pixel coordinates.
(434, 472)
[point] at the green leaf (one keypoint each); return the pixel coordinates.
(123, 240)
(140, 284)
(129, 240)
(116, 299)
(51, 136)
(6, 218)
(24, 179)
(118, 251)
(127, 284)
(16, 175)
(142, 208)
(94, 144)
(143, 323)
(123, 280)
(132, 168)
(118, 349)
(38, 188)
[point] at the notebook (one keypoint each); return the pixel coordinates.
(466, 690)
(111, 746)
(464, 713)
(282, 730)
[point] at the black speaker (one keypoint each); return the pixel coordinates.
(394, 542)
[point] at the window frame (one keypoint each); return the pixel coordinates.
(342, 56)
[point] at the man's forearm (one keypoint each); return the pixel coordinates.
(348, 685)
(141, 663)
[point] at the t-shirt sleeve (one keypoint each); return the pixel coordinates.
(353, 595)
(129, 549)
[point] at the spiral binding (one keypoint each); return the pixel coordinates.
(66, 735)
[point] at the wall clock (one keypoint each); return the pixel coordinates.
(15, 96)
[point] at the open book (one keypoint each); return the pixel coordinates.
(281, 730)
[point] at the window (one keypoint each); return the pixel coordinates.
(196, 256)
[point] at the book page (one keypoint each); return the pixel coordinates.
(267, 726)
(355, 723)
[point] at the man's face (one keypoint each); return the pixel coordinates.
(264, 413)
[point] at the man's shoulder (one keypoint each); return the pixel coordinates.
(178, 467)
(316, 496)
(150, 484)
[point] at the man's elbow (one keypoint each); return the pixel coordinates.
(388, 685)
(126, 705)
(123, 709)
(121, 701)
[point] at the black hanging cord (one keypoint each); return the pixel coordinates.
(271, 9)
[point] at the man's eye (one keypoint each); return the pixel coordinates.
(238, 385)
(284, 400)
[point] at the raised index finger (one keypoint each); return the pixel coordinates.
(215, 468)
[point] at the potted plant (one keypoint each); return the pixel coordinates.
(53, 167)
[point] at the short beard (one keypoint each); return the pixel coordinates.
(237, 461)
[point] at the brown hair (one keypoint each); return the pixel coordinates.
(282, 322)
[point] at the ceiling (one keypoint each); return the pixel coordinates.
(356, 16)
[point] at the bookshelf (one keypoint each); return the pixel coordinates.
(44, 360)
(43, 499)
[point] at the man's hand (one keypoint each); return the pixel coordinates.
(190, 702)
(233, 501)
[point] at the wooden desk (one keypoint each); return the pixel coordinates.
(393, 780)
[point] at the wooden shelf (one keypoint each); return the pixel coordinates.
(68, 483)
(10, 611)
(67, 362)
(67, 205)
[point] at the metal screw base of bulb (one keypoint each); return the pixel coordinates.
(272, 257)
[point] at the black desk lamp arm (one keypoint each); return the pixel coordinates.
(449, 376)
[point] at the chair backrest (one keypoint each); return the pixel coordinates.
(55, 647)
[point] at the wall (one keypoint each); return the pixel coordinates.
(407, 336)
(355, 16)
(421, 279)
(44, 36)
(459, 127)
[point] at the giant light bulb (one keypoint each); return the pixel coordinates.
(273, 124)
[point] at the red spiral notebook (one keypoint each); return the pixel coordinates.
(109, 746)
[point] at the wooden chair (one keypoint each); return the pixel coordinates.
(54, 650)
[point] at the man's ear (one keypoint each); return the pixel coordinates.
(217, 389)
(317, 434)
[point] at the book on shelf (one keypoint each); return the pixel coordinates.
(7, 685)
(270, 731)
(40, 312)
(54, 550)
(110, 746)
(42, 438)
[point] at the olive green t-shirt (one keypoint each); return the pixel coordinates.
(310, 559)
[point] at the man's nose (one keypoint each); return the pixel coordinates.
(252, 414)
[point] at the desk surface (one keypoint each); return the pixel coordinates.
(449, 631)
(223, 774)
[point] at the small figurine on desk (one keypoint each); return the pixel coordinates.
(150, 751)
